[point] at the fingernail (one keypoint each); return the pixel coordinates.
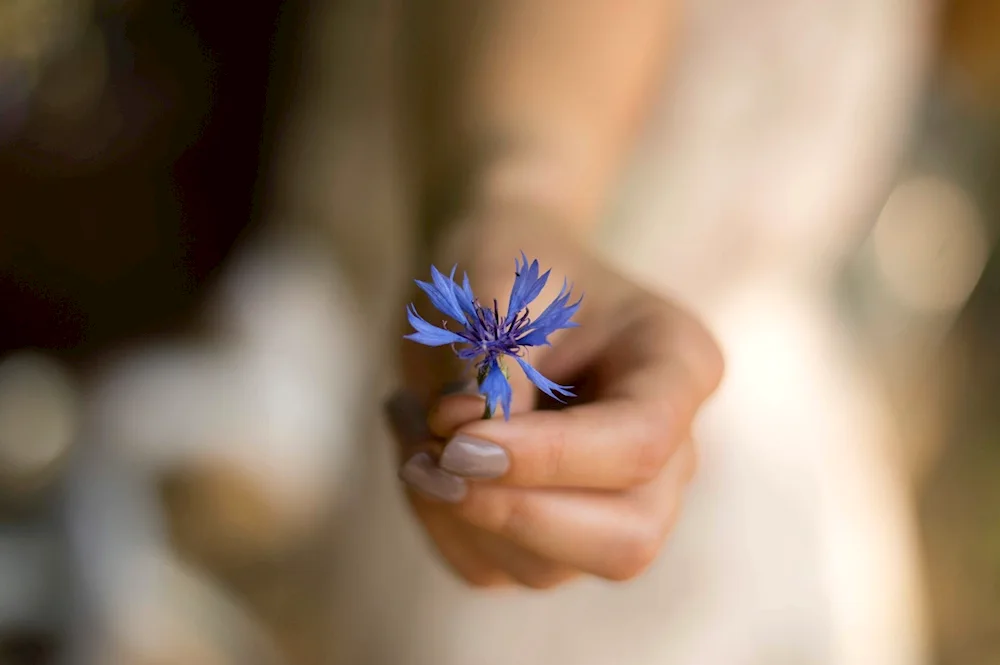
(474, 458)
(407, 417)
(459, 388)
(422, 474)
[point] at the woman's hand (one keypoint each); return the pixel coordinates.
(594, 487)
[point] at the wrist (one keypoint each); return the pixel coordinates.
(486, 244)
(511, 191)
(491, 236)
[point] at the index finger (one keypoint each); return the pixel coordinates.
(614, 443)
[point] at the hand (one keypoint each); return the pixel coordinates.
(592, 488)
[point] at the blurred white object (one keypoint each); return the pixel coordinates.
(930, 244)
(134, 601)
(273, 391)
(29, 559)
(39, 413)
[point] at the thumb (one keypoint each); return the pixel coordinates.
(464, 403)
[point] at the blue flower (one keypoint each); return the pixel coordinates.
(484, 337)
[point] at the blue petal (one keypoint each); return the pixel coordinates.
(534, 338)
(527, 286)
(536, 288)
(467, 287)
(428, 334)
(496, 389)
(442, 294)
(555, 317)
(469, 352)
(440, 302)
(550, 388)
(466, 298)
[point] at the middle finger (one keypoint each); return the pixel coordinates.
(615, 535)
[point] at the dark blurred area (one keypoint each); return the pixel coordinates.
(134, 139)
(131, 153)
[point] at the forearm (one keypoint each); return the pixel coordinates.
(531, 105)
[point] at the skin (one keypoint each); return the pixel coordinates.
(555, 92)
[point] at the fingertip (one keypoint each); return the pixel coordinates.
(453, 411)
(455, 388)
(422, 473)
(406, 417)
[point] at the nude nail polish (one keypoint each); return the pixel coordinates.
(470, 457)
(423, 474)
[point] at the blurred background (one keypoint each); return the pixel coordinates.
(204, 245)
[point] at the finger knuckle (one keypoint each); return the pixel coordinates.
(707, 361)
(506, 512)
(550, 578)
(554, 457)
(518, 516)
(483, 579)
(652, 451)
(635, 554)
(692, 462)
(480, 508)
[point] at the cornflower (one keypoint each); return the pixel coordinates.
(485, 338)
